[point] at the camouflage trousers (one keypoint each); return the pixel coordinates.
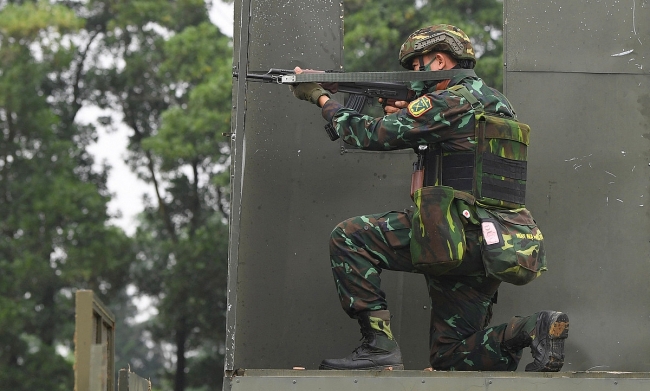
(461, 300)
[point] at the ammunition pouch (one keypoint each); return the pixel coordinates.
(438, 230)
(513, 246)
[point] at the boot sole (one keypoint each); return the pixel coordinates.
(560, 327)
(558, 331)
(399, 367)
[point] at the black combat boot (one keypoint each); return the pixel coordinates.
(545, 337)
(378, 351)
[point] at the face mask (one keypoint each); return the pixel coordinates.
(427, 67)
(420, 86)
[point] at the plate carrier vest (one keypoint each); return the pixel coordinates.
(495, 172)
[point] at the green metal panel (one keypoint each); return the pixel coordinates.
(577, 72)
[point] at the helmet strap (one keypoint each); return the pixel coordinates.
(427, 66)
(421, 61)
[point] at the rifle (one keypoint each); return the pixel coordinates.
(360, 91)
(388, 86)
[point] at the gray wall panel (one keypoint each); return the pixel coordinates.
(291, 186)
(588, 188)
(603, 36)
(589, 156)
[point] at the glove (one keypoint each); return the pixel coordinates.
(331, 87)
(309, 92)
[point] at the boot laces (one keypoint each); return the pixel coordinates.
(366, 336)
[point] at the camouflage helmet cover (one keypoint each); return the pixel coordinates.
(443, 37)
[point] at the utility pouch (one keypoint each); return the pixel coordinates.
(512, 245)
(437, 232)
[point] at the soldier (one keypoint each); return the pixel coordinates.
(442, 125)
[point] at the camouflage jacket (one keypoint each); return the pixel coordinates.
(436, 117)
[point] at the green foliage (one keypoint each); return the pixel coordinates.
(191, 131)
(172, 15)
(33, 20)
(187, 278)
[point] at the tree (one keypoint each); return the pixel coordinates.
(55, 237)
(167, 71)
(369, 46)
(174, 93)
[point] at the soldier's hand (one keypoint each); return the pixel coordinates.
(309, 92)
(392, 106)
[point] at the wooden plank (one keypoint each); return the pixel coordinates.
(94, 341)
(129, 381)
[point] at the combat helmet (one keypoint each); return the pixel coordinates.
(439, 37)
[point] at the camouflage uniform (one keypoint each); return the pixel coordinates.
(363, 246)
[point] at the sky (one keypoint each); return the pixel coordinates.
(127, 189)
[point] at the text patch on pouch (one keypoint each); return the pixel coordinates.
(491, 234)
(420, 106)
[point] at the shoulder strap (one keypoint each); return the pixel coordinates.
(462, 91)
(339, 77)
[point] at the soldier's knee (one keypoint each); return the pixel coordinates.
(347, 227)
(342, 235)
